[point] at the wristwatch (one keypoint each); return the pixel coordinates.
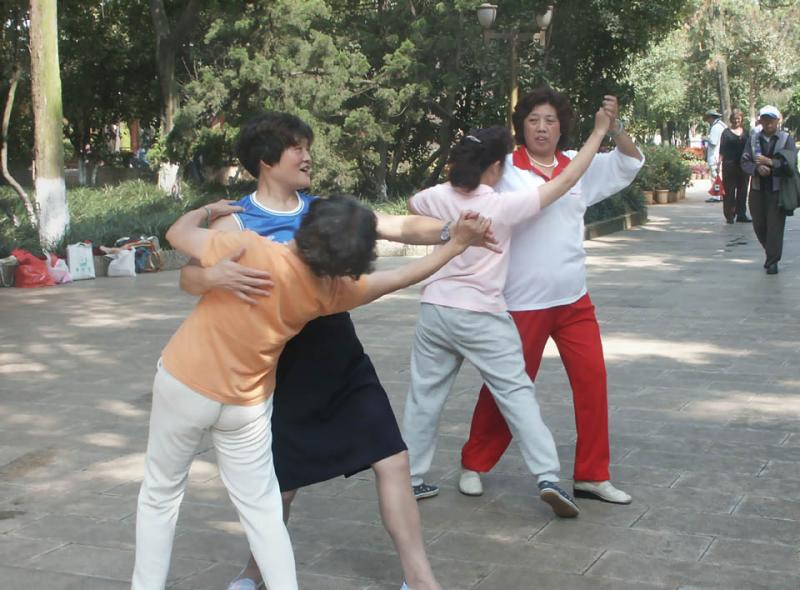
(618, 131)
(445, 235)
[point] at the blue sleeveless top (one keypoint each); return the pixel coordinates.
(278, 226)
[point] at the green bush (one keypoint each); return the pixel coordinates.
(628, 200)
(665, 167)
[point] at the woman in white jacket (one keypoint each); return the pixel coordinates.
(546, 288)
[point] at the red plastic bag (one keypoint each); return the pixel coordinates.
(32, 271)
(717, 188)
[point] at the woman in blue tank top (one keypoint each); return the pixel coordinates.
(331, 415)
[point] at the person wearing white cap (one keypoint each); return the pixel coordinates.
(759, 161)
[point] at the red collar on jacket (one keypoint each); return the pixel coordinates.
(522, 161)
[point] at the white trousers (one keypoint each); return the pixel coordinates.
(445, 336)
(242, 439)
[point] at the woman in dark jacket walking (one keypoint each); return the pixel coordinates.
(734, 179)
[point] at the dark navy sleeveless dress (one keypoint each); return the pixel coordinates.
(331, 416)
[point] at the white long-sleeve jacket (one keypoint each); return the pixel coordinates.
(548, 262)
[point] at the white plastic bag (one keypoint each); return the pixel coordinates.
(80, 261)
(57, 267)
(123, 263)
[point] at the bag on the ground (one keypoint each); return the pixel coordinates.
(717, 188)
(80, 260)
(123, 263)
(148, 255)
(31, 271)
(58, 269)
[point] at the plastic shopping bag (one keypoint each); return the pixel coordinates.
(32, 271)
(123, 263)
(717, 188)
(57, 267)
(81, 261)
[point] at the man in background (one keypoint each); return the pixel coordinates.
(767, 157)
(715, 128)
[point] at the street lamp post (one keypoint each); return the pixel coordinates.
(487, 13)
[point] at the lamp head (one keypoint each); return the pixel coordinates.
(543, 20)
(486, 15)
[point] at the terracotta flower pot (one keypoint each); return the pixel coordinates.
(648, 197)
(662, 196)
(672, 197)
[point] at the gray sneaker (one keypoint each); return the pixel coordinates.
(425, 490)
(560, 501)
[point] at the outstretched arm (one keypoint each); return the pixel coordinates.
(468, 231)
(410, 229)
(552, 190)
(188, 237)
(245, 282)
(621, 138)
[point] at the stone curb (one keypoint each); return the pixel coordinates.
(599, 229)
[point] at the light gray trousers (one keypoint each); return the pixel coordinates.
(446, 336)
(243, 442)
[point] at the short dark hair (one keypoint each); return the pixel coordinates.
(265, 137)
(544, 95)
(475, 153)
(337, 237)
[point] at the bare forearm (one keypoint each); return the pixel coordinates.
(194, 280)
(386, 281)
(186, 235)
(626, 146)
(410, 229)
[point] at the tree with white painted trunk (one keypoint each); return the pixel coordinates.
(50, 190)
(168, 40)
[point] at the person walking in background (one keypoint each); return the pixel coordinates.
(735, 181)
(546, 288)
(760, 161)
(715, 128)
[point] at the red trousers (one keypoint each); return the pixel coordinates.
(575, 331)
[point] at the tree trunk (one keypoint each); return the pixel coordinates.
(724, 87)
(51, 194)
(380, 172)
(26, 201)
(167, 42)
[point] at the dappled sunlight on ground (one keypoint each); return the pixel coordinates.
(13, 363)
(626, 347)
(105, 440)
(120, 408)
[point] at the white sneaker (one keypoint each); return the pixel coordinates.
(469, 483)
(600, 490)
(404, 587)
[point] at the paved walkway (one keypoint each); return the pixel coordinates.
(702, 351)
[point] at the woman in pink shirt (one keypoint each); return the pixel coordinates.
(464, 315)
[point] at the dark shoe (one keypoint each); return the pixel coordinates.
(425, 490)
(729, 221)
(744, 219)
(772, 269)
(560, 501)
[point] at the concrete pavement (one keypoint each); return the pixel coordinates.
(702, 353)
